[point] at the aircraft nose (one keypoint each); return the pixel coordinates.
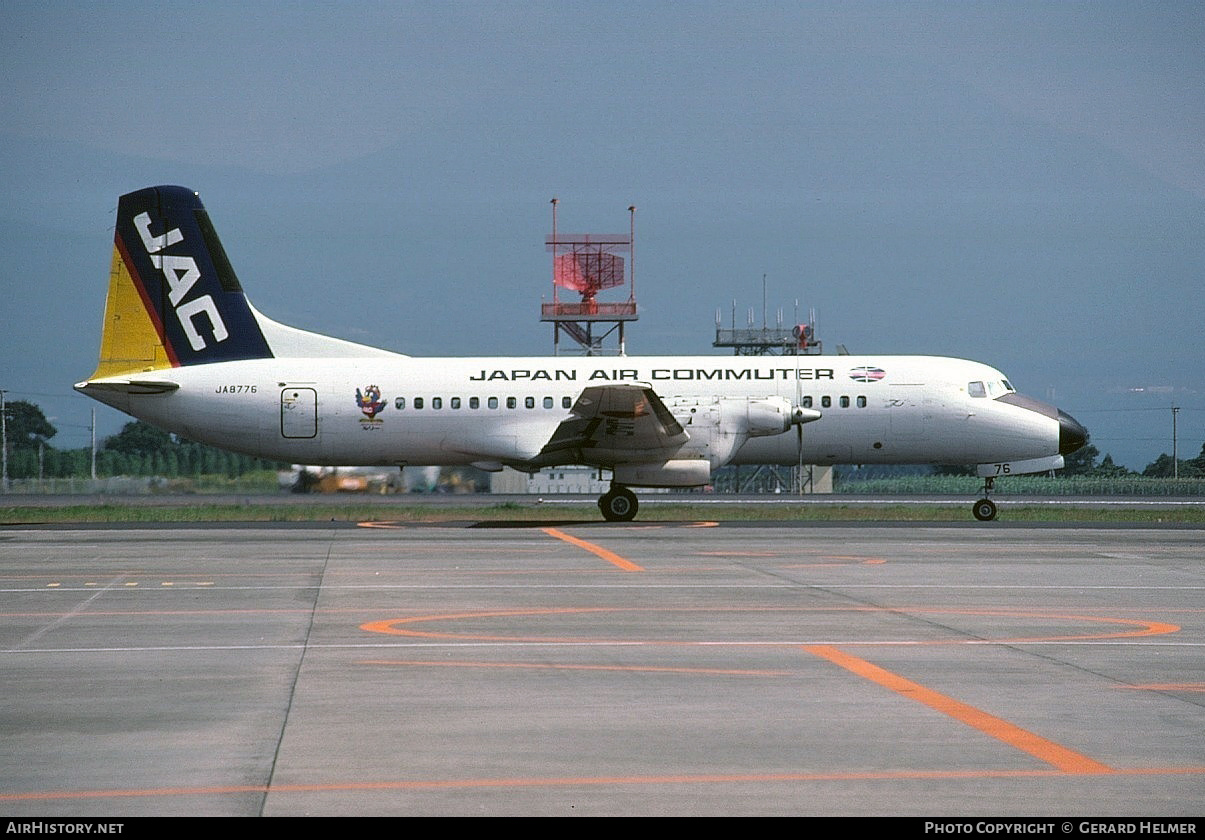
(1072, 434)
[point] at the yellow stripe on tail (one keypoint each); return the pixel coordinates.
(130, 341)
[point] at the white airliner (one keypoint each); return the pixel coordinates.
(183, 349)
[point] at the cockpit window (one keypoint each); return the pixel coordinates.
(976, 389)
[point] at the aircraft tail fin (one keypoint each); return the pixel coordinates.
(173, 298)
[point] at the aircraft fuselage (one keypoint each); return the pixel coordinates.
(450, 411)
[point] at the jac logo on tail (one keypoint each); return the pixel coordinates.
(181, 274)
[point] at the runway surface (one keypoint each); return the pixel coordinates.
(590, 669)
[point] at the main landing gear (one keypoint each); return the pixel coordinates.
(985, 508)
(618, 504)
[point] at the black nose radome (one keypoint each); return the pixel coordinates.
(1072, 435)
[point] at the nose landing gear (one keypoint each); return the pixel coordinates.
(985, 509)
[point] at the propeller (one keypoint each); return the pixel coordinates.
(800, 415)
(798, 423)
(798, 426)
(799, 450)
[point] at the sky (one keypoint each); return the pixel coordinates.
(1018, 183)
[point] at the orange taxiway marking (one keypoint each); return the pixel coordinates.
(1054, 754)
(596, 550)
(390, 626)
(576, 781)
(406, 626)
(727, 672)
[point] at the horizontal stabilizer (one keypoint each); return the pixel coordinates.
(127, 386)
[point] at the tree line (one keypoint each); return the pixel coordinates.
(139, 449)
(1083, 462)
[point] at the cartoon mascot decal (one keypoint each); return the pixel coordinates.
(370, 403)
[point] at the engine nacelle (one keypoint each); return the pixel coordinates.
(719, 426)
(771, 416)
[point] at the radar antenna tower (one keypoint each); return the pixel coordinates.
(588, 263)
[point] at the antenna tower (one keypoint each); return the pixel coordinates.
(588, 263)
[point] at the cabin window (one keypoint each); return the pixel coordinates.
(548, 402)
(418, 402)
(826, 402)
(474, 402)
(454, 402)
(437, 403)
(511, 402)
(566, 402)
(493, 402)
(530, 402)
(399, 403)
(976, 389)
(861, 402)
(845, 402)
(807, 402)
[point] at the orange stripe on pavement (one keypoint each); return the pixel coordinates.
(723, 672)
(596, 550)
(1060, 757)
(573, 781)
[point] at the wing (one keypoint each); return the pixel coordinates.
(614, 424)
